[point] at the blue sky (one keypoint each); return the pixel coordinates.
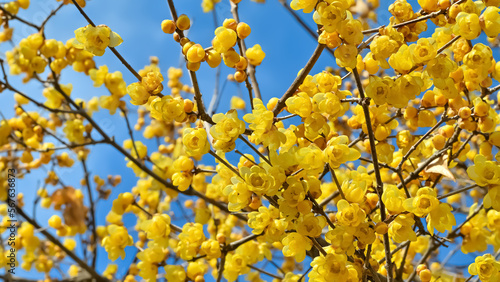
(287, 47)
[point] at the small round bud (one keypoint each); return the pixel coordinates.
(183, 22)
(240, 76)
(425, 275)
(168, 26)
(381, 228)
(188, 105)
(243, 30)
(438, 141)
(464, 112)
(230, 23)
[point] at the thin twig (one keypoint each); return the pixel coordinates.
(299, 79)
(380, 184)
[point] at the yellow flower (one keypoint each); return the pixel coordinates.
(423, 203)
(54, 97)
(332, 267)
(383, 47)
(195, 141)
(341, 239)
(98, 75)
(264, 131)
(263, 179)
(439, 68)
(379, 89)
(138, 93)
(73, 270)
(122, 203)
(484, 172)
(311, 158)
(349, 214)
(259, 220)
(346, 55)
(428, 5)
(116, 241)
(296, 245)
(424, 50)
(299, 104)
(401, 228)
(467, 25)
(175, 273)
(236, 264)
(492, 198)
(74, 130)
(330, 15)
(365, 233)
(227, 128)
(329, 103)
(157, 227)
(402, 10)
(295, 191)
(311, 225)
(354, 190)
(441, 219)
(402, 60)
(191, 238)
(337, 152)
(182, 180)
(351, 31)
(225, 38)
(490, 21)
(211, 248)
(255, 55)
(96, 39)
(168, 108)
(486, 267)
(152, 81)
(393, 199)
(238, 196)
(306, 5)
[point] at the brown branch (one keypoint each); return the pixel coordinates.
(12, 16)
(318, 246)
(299, 79)
(194, 80)
(92, 213)
(53, 13)
(225, 163)
(265, 272)
(254, 149)
(130, 132)
(458, 191)
(251, 68)
(492, 90)
(339, 187)
(320, 210)
(222, 263)
(234, 245)
(117, 54)
(416, 144)
(365, 104)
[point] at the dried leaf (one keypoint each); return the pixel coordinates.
(440, 166)
(75, 212)
(361, 8)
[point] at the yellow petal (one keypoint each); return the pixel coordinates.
(115, 39)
